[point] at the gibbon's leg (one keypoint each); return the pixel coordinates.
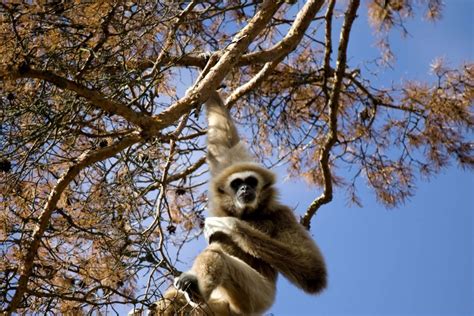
(174, 303)
(226, 280)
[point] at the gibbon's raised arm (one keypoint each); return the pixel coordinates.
(224, 147)
(222, 131)
(292, 251)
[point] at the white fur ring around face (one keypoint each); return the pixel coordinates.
(219, 224)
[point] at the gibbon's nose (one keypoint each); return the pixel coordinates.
(246, 194)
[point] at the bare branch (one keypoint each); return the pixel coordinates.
(93, 96)
(164, 178)
(170, 35)
(327, 54)
(195, 166)
(279, 50)
(230, 55)
(333, 104)
(292, 39)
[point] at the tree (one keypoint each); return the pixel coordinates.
(102, 164)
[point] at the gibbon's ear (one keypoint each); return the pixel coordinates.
(267, 185)
(220, 190)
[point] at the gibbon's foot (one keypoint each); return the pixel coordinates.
(187, 284)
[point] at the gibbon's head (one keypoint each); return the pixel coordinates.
(241, 189)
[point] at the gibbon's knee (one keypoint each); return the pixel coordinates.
(249, 293)
(172, 303)
(209, 268)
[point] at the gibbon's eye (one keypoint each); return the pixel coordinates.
(236, 183)
(252, 182)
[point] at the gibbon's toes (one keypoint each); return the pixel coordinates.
(188, 284)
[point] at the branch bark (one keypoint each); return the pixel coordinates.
(333, 105)
(93, 96)
(229, 58)
(279, 51)
(83, 161)
(282, 48)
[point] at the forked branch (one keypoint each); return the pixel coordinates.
(333, 105)
(278, 52)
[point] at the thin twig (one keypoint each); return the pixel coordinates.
(164, 181)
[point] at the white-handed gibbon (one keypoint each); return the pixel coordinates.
(252, 237)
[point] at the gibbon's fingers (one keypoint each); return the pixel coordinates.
(188, 285)
(224, 225)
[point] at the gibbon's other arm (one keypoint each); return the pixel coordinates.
(292, 252)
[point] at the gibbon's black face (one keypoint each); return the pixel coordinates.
(245, 189)
(240, 190)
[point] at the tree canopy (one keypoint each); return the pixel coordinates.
(102, 163)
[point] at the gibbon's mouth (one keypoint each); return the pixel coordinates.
(247, 197)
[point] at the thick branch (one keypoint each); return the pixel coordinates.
(82, 162)
(230, 55)
(94, 97)
(280, 50)
(291, 40)
(333, 105)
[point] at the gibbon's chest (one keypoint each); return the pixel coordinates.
(230, 247)
(266, 225)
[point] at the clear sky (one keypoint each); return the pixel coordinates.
(413, 260)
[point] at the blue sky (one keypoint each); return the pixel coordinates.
(413, 260)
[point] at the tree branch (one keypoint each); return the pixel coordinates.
(187, 171)
(170, 35)
(333, 104)
(95, 97)
(327, 54)
(279, 51)
(282, 48)
(230, 56)
(164, 179)
(83, 161)
(291, 40)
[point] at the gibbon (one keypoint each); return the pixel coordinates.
(252, 237)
